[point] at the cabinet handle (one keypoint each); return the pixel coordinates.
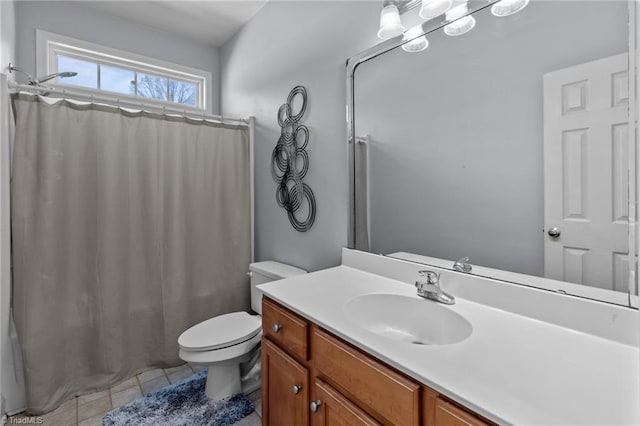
(297, 389)
(276, 327)
(315, 405)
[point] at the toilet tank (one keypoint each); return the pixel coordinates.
(263, 272)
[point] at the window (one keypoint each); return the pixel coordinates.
(109, 71)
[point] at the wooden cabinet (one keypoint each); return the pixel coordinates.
(429, 400)
(348, 387)
(285, 328)
(330, 408)
(388, 395)
(447, 414)
(285, 383)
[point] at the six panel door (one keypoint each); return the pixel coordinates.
(586, 174)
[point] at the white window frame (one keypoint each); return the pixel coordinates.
(48, 45)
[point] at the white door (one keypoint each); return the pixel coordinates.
(586, 166)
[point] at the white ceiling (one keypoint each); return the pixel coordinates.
(212, 22)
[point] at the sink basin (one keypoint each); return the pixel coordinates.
(408, 319)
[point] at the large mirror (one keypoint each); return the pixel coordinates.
(509, 144)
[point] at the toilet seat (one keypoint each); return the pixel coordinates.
(220, 332)
(239, 352)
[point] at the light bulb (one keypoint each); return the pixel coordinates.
(390, 23)
(432, 8)
(416, 41)
(508, 7)
(460, 24)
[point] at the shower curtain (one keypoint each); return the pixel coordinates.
(127, 228)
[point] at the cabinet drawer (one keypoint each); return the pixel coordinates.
(448, 414)
(384, 393)
(286, 328)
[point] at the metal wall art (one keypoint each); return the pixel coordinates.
(290, 163)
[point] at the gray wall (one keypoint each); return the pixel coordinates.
(74, 20)
(286, 44)
(456, 158)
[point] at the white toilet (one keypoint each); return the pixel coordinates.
(227, 342)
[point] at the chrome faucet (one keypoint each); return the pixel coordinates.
(462, 265)
(431, 288)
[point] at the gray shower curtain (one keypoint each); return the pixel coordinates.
(127, 229)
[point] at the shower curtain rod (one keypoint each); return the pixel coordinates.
(72, 95)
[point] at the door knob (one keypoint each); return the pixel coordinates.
(315, 405)
(276, 327)
(297, 389)
(554, 232)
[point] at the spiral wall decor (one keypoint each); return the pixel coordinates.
(290, 163)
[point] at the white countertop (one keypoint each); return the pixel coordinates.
(512, 369)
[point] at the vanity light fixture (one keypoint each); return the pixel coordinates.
(390, 23)
(417, 40)
(459, 23)
(432, 8)
(458, 20)
(508, 7)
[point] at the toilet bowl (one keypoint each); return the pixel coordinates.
(230, 343)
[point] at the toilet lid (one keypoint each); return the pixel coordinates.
(220, 332)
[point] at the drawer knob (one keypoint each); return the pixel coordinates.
(276, 327)
(297, 389)
(315, 405)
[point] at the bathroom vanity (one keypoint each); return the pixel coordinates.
(355, 345)
(311, 376)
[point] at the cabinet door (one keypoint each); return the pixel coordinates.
(285, 388)
(330, 408)
(448, 414)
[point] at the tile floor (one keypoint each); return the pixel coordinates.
(88, 410)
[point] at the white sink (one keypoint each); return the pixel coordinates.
(408, 319)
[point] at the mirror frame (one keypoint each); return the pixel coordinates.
(561, 287)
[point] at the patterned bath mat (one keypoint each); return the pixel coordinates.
(181, 404)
